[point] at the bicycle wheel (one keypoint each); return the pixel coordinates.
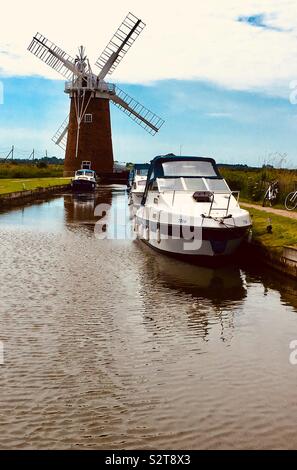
(291, 201)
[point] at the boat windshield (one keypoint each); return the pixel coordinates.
(89, 173)
(142, 172)
(189, 168)
(217, 185)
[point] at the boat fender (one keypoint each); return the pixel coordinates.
(147, 233)
(250, 236)
(158, 233)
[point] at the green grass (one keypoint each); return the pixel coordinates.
(38, 170)
(12, 185)
(252, 183)
(277, 205)
(284, 230)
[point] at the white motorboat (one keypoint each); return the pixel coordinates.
(188, 209)
(84, 180)
(137, 180)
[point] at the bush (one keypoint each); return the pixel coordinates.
(253, 183)
(41, 170)
(41, 164)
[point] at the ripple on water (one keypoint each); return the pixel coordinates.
(108, 345)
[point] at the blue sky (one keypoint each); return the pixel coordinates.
(219, 73)
(200, 118)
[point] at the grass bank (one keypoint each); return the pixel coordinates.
(252, 183)
(284, 231)
(10, 185)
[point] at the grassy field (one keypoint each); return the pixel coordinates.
(38, 170)
(252, 184)
(11, 185)
(284, 230)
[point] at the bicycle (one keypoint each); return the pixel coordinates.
(291, 201)
(271, 193)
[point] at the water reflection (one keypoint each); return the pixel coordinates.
(274, 281)
(222, 284)
(86, 209)
(115, 346)
(210, 296)
(79, 209)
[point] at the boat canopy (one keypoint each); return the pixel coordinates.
(184, 173)
(141, 166)
(85, 172)
(167, 166)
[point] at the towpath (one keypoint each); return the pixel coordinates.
(272, 210)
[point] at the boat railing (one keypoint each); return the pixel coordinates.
(226, 209)
(212, 194)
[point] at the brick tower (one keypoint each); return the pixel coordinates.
(91, 138)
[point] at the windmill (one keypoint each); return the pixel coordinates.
(86, 132)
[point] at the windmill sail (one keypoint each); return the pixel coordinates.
(119, 44)
(90, 93)
(60, 137)
(53, 56)
(136, 111)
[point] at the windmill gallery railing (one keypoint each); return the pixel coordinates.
(90, 84)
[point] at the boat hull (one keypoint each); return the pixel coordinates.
(83, 185)
(206, 242)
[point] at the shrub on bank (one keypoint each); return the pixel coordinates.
(11, 170)
(252, 184)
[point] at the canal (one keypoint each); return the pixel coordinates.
(108, 345)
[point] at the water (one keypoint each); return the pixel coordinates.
(107, 344)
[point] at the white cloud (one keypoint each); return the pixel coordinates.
(219, 115)
(193, 39)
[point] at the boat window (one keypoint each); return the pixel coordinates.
(142, 172)
(141, 183)
(189, 168)
(80, 172)
(170, 184)
(218, 185)
(89, 172)
(195, 184)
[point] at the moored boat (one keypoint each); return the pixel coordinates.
(188, 209)
(84, 180)
(137, 182)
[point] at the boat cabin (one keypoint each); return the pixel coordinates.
(198, 175)
(85, 173)
(86, 165)
(139, 169)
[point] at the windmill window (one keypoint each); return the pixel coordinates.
(88, 118)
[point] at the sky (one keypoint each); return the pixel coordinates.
(221, 73)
